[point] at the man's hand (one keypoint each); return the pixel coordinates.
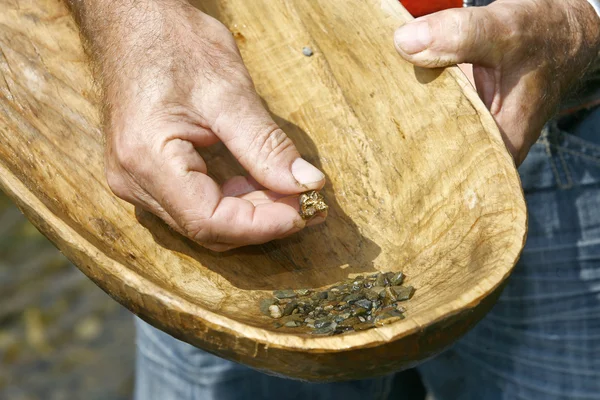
(526, 54)
(174, 81)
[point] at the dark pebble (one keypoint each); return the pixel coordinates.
(364, 303)
(381, 280)
(351, 298)
(372, 294)
(348, 322)
(285, 294)
(334, 296)
(396, 278)
(265, 304)
(363, 326)
(290, 308)
(293, 317)
(390, 295)
(360, 311)
(387, 301)
(325, 330)
(322, 323)
(403, 292)
(388, 317)
(386, 321)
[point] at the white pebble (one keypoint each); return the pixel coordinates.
(275, 311)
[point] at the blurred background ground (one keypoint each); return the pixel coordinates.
(61, 337)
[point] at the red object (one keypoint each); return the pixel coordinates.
(423, 7)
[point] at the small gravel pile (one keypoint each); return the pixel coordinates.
(355, 304)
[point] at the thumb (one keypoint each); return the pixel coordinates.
(264, 149)
(468, 35)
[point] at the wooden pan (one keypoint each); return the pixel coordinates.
(418, 180)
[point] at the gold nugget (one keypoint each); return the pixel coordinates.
(312, 203)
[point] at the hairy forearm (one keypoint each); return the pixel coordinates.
(96, 16)
(119, 32)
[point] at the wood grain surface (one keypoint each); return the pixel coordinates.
(418, 180)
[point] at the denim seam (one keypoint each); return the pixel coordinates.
(582, 142)
(547, 145)
(567, 172)
(576, 153)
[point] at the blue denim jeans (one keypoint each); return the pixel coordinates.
(541, 340)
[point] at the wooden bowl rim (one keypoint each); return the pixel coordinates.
(31, 205)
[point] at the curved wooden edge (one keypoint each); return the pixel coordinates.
(395, 9)
(240, 342)
(116, 277)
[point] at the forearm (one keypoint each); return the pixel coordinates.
(131, 43)
(97, 16)
(583, 59)
(118, 32)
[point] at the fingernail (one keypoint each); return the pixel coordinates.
(305, 173)
(413, 37)
(315, 221)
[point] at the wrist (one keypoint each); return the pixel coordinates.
(115, 23)
(119, 33)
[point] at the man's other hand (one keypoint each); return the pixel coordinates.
(526, 54)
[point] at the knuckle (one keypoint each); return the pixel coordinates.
(235, 89)
(230, 96)
(463, 34)
(271, 142)
(464, 27)
(225, 68)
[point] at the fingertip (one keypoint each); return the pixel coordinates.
(307, 175)
(413, 37)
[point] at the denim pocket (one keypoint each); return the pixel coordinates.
(564, 159)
